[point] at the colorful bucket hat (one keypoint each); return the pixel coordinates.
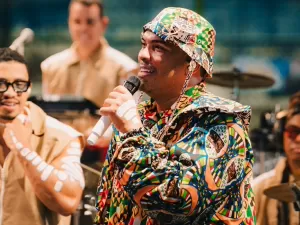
(188, 30)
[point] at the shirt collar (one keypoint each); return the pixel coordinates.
(37, 118)
(95, 58)
(149, 108)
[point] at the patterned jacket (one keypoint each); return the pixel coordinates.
(198, 174)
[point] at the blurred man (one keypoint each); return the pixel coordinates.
(41, 178)
(184, 157)
(287, 170)
(90, 64)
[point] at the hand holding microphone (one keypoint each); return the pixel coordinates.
(120, 109)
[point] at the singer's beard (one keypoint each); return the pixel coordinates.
(142, 87)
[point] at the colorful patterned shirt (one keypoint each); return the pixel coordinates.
(198, 174)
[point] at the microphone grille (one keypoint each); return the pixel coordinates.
(132, 84)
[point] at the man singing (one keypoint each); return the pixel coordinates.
(183, 157)
(40, 174)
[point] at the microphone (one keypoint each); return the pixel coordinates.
(26, 36)
(132, 85)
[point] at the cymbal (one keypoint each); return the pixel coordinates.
(284, 192)
(244, 80)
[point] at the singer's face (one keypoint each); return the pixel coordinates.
(86, 26)
(162, 66)
(11, 102)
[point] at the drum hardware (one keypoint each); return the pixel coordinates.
(86, 211)
(89, 205)
(90, 169)
(267, 140)
(236, 79)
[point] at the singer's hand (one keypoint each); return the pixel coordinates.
(121, 109)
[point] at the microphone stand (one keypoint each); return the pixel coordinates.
(20, 48)
(26, 36)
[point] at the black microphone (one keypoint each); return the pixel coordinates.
(132, 85)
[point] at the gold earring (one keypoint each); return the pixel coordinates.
(192, 66)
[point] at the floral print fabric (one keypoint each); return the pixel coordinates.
(188, 30)
(198, 174)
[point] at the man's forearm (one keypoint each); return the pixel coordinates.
(59, 188)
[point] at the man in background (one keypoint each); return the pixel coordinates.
(41, 178)
(90, 63)
(287, 170)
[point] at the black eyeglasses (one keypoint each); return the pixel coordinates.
(19, 86)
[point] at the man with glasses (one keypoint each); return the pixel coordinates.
(287, 170)
(41, 180)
